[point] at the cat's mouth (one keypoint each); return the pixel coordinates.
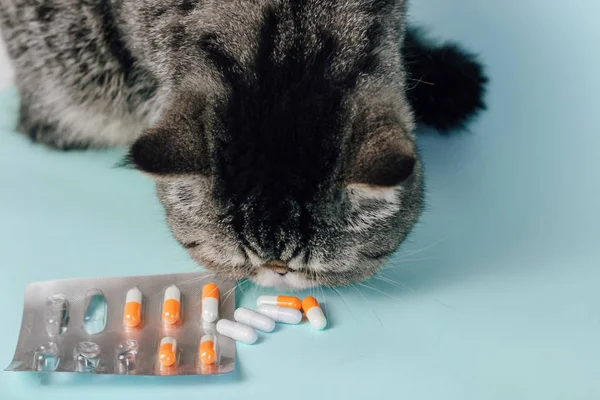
(281, 279)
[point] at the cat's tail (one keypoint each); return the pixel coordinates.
(445, 84)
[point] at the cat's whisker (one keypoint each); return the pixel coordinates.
(410, 253)
(382, 277)
(343, 301)
(225, 296)
(379, 291)
(403, 262)
(255, 290)
(196, 279)
(245, 280)
(241, 285)
(417, 82)
(368, 304)
(323, 301)
(232, 290)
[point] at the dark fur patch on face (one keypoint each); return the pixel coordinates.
(46, 11)
(113, 37)
(187, 5)
(280, 131)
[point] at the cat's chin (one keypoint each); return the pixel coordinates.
(289, 281)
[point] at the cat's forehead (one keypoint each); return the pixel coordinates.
(237, 24)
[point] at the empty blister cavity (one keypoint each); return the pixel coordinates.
(94, 319)
(171, 308)
(56, 314)
(46, 358)
(126, 357)
(86, 356)
(132, 312)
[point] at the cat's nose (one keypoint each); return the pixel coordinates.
(277, 266)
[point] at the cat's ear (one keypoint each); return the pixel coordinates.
(177, 145)
(385, 158)
(166, 151)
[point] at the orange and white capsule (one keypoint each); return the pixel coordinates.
(208, 350)
(171, 308)
(280, 301)
(210, 302)
(167, 352)
(314, 313)
(132, 314)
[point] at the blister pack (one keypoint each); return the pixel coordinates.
(139, 325)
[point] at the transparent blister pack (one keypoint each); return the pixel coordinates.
(140, 325)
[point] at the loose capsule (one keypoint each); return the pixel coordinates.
(167, 352)
(207, 352)
(281, 314)
(171, 305)
(210, 302)
(254, 319)
(281, 301)
(236, 331)
(314, 313)
(132, 314)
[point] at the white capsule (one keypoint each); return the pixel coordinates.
(281, 314)
(254, 319)
(236, 331)
(316, 318)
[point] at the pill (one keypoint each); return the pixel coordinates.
(281, 301)
(281, 314)
(254, 319)
(171, 305)
(132, 315)
(210, 302)
(167, 353)
(207, 351)
(314, 313)
(236, 331)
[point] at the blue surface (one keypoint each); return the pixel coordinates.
(501, 298)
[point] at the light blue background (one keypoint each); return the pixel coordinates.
(502, 275)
